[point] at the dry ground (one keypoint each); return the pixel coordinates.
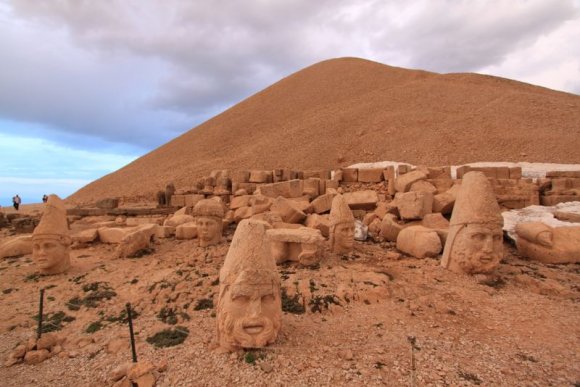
(520, 328)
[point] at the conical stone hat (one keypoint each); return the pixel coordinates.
(249, 251)
(476, 202)
(340, 211)
(53, 223)
(209, 208)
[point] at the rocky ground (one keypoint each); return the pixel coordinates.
(350, 321)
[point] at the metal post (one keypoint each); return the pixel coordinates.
(130, 318)
(39, 333)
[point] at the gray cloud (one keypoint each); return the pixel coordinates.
(143, 72)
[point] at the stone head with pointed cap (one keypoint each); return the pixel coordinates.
(51, 240)
(249, 308)
(209, 214)
(475, 241)
(341, 226)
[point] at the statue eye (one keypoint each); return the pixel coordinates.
(497, 238)
(478, 237)
(268, 298)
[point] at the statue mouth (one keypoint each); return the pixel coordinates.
(486, 259)
(253, 328)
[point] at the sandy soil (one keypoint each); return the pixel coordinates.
(348, 110)
(519, 328)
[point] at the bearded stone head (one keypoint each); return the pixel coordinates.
(249, 308)
(475, 241)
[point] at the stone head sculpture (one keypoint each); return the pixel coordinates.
(51, 240)
(249, 309)
(341, 226)
(475, 241)
(209, 216)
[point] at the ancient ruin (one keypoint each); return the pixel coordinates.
(249, 309)
(547, 244)
(475, 240)
(51, 239)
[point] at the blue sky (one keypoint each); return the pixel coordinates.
(87, 87)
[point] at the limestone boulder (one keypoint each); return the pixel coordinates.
(370, 175)
(186, 231)
(17, 246)
(176, 220)
(362, 200)
(303, 245)
(391, 227)
(414, 205)
(140, 239)
(554, 245)
(419, 242)
(403, 182)
(318, 222)
(287, 189)
(85, 236)
(288, 210)
(240, 201)
(322, 204)
(113, 234)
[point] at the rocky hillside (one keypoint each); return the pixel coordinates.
(348, 110)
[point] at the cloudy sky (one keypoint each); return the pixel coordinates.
(88, 86)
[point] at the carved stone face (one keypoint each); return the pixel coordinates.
(478, 248)
(249, 312)
(343, 238)
(50, 255)
(208, 230)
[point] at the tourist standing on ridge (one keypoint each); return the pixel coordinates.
(44, 198)
(16, 202)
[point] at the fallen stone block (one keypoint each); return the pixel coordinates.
(287, 189)
(414, 205)
(288, 210)
(419, 242)
(362, 200)
(323, 203)
(136, 241)
(15, 247)
(186, 231)
(371, 175)
(303, 245)
(318, 222)
(403, 182)
(349, 175)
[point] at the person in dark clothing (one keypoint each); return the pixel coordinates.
(16, 202)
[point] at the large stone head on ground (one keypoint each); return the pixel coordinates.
(51, 240)
(475, 241)
(341, 226)
(209, 216)
(249, 308)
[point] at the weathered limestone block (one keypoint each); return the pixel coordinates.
(288, 210)
(303, 245)
(370, 175)
(389, 176)
(323, 203)
(349, 175)
(176, 220)
(515, 172)
(439, 172)
(391, 227)
(86, 236)
(547, 244)
(191, 200)
(320, 174)
(414, 205)
(240, 201)
(423, 186)
(242, 213)
(419, 242)
(311, 187)
(318, 222)
(287, 189)
(249, 307)
(362, 200)
(164, 232)
(113, 234)
(240, 176)
(186, 231)
(21, 245)
(437, 222)
(260, 176)
(260, 203)
(136, 241)
(403, 182)
(51, 239)
(177, 200)
(475, 241)
(330, 185)
(108, 203)
(36, 357)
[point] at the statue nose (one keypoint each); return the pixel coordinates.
(255, 307)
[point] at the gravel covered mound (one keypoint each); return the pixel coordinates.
(349, 110)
